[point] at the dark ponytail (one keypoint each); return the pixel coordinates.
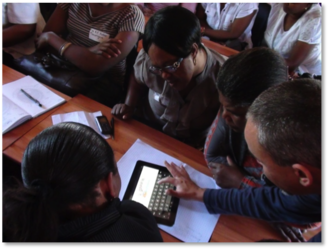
(61, 167)
(28, 215)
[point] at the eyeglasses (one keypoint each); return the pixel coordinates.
(169, 69)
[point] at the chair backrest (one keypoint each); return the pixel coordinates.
(47, 9)
(258, 30)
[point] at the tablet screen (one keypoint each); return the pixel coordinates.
(145, 185)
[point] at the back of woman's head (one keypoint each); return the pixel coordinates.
(61, 167)
(247, 74)
(173, 29)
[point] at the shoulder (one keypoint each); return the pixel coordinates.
(136, 210)
(142, 60)
(132, 9)
(140, 225)
(314, 12)
(213, 57)
(141, 70)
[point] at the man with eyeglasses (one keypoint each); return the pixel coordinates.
(174, 78)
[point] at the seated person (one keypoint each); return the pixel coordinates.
(21, 23)
(283, 132)
(294, 30)
(178, 74)
(92, 29)
(150, 8)
(70, 193)
(240, 80)
(228, 23)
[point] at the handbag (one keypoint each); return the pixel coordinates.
(56, 72)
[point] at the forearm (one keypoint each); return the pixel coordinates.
(80, 56)
(298, 54)
(267, 203)
(17, 33)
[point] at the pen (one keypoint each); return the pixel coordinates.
(30, 97)
(112, 125)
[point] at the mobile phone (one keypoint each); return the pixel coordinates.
(104, 125)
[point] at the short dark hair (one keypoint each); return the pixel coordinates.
(61, 167)
(288, 119)
(173, 29)
(247, 74)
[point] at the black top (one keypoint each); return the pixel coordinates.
(125, 221)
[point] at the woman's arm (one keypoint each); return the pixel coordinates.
(298, 54)
(82, 57)
(17, 33)
(17, 29)
(237, 28)
(135, 92)
(94, 64)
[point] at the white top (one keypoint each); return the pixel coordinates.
(222, 20)
(22, 13)
(307, 29)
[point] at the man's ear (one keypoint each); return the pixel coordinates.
(304, 175)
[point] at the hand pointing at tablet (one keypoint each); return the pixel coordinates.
(185, 187)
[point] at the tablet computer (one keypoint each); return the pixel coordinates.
(143, 188)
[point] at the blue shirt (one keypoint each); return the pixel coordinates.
(267, 203)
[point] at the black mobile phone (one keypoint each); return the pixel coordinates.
(104, 125)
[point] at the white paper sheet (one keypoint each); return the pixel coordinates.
(82, 117)
(193, 222)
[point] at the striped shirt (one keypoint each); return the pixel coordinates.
(220, 144)
(80, 22)
(158, 5)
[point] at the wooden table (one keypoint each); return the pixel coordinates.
(228, 229)
(9, 75)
